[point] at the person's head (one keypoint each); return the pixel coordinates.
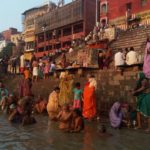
(77, 113)
(57, 90)
(116, 106)
(100, 53)
(77, 85)
(120, 50)
(131, 49)
(12, 107)
(66, 107)
(102, 129)
(91, 77)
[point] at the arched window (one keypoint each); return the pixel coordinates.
(104, 8)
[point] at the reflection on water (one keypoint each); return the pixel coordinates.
(45, 136)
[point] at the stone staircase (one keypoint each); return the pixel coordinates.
(135, 38)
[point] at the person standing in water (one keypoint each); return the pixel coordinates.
(89, 99)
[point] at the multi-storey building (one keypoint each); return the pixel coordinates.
(16, 38)
(29, 17)
(57, 29)
(8, 33)
(117, 12)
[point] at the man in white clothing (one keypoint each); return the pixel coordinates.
(119, 58)
(22, 63)
(132, 57)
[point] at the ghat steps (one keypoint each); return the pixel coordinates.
(132, 38)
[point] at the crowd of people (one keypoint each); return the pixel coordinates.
(128, 115)
(105, 58)
(68, 104)
(127, 57)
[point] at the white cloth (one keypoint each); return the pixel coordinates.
(53, 68)
(119, 59)
(22, 62)
(93, 83)
(132, 58)
(35, 71)
(70, 50)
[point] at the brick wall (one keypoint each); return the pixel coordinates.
(111, 87)
(118, 7)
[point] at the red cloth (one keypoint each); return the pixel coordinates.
(89, 102)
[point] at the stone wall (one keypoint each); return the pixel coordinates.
(112, 86)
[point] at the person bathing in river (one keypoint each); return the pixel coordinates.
(89, 99)
(40, 105)
(4, 102)
(65, 118)
(28, 119)
(115, 115)
(53, 103)
(77, 124)
(22, 112)
(3, 89)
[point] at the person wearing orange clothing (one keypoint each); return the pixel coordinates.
(89, 99)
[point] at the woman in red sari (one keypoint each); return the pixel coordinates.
(89, 99)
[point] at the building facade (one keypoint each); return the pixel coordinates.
(29, 17)
(116, 12)
(8, 33)
(19, 44)
(16, 38)
(57, 29)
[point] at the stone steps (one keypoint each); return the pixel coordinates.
(135, 38)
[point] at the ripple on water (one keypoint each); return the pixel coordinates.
(45, 136)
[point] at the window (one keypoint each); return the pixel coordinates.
(104, 8)
(143, 2)
(128, 6)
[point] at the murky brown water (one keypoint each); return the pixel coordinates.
(45, 136)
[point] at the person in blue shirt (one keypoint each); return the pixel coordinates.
(77, 96)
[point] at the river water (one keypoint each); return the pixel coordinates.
(45, 136)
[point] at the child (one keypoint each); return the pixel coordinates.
(77, 96)
(77, 124)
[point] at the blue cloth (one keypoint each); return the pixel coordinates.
(77, 94)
